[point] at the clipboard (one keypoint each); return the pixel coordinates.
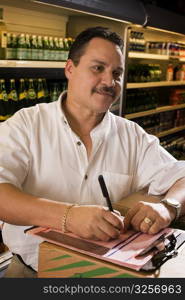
(134, 250)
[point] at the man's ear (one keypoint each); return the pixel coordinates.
(69, 68)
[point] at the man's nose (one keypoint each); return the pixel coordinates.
(108, 79)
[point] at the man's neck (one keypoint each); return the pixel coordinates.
(81, 121)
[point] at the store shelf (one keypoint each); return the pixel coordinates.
(170, 131)
(31, 64)
(147, 56)
(139, 85)
(144, 55)
(154, 111)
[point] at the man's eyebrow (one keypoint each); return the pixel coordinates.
(99, 62)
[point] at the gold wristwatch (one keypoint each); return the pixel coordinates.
(173, 203)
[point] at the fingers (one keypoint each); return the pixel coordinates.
(129, 216)
(107, 232)
(114, 219)
(147, 217)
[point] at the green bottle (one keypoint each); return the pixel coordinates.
(34, 47)
(9, 49)
(51, 49)
(56, 49)
(61, 50)
(40, 47)
(31, 93)
(40, 91)
(55, 92)
(21, 47)
(28, 47)
(46, 50)
(13, 97)
(46, 91)
(4, 105)
(22, 94)
(14, 46)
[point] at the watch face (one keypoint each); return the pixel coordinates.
(173, 202)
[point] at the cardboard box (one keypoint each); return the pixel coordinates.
(56, 261)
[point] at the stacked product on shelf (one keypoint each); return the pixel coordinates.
(26, 92)
(36, 47)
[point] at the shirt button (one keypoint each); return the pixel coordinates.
(86, 177)
(79, 143)
(65, 122)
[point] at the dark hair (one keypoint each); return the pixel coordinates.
(78, 47)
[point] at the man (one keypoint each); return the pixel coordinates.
(52, 154)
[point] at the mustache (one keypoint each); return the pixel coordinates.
(105, 90)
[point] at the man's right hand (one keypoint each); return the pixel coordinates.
(94, 222)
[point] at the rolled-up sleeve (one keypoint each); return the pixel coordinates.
(14, 151)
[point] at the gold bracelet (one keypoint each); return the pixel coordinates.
(64, 219)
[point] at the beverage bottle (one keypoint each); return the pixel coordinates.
(64, 85)
(34, 48)
(31, 93)
(66, 48)
(4, 105)
(14, 46)
(9, 54)
(61, 49)
(46, 91)
(169, 73)
(55, 92)
(21, 47)
(28, 47)
(40, 47)
(22, 94)
(56, 49)
(13, 97)
(46, 51)
(177, 72)
(3, 39)
(181, 73)
(51, 49)
(40, 91)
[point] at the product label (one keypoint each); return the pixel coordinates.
(40, 94)
(22, 96)
(31, 94)
(9, 54)
(21, 53)
(13, 95)
(3, 96)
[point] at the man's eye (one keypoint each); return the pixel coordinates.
(117, 75)
(98, 68)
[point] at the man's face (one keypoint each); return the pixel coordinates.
(95, 83)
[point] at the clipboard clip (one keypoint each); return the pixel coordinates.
(162, 256)
(169, 251)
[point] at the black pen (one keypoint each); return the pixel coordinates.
(105, 192)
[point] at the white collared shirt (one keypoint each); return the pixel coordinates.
(41, 155)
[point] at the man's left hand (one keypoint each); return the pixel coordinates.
(148, 217)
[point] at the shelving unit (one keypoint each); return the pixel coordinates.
(170, 131)
(140, 85)
(145, 55)
(164, 121)
(31, 64)
(154, 111)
